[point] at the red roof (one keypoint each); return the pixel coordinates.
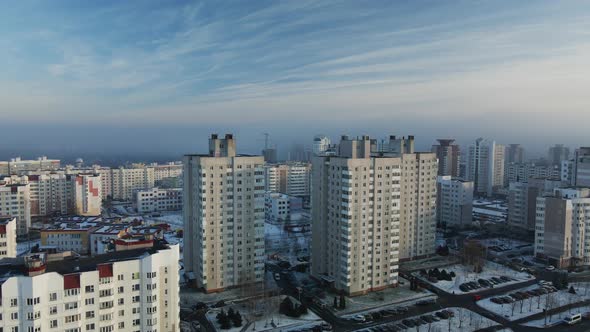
(71, 281)
(105, 270)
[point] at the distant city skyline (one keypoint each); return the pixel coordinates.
(147, 76)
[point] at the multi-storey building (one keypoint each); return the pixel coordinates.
(15, 201)
(522, 199)
(166, 171)
(292, 178)
(454, 201)
(558, 153)
(581, 167)
(364, 202)
(7, 237)
(17, 166)
(134, 290)
(485, 166)
(278, 206)
(514, 154)
(521, 172)
(567, 171)
(449, 157)
(321, 144)
(562, 221)
(128, 180)
(86, 194)
(223, 216)
(157, 199)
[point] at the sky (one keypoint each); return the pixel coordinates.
(157, 77)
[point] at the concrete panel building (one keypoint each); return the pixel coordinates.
(8, 237)
(449, 157)
(365, 200)
(135, 290)
(581, 167)
(15, 201)
(485, 166)
(86, 194)
(224, 216)
(454, 201)
(561, 223)
(157, 199)
(292, 178)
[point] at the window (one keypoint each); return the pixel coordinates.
(90, 327)
(13, 302)
(53, 323)
(90, 289)
(89, 314)
(14, 316)
(89, 301)
(53, 297)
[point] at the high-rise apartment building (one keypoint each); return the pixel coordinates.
(157, 199)
(449, 157)
(15, 201)
(485, 166)
(581, 167)
(8, 237)
(224, 216)
(561, 223)
(522, 199)
(321, 144)
(514, 154)
(364, 202)
(454, 201)
(130, 291)
(86, 194)
(557, 154)
(291, 178)
(166, 171)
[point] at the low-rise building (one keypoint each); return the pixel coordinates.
(7, 237)
(157, 199)
(132, 290)
(454, 201)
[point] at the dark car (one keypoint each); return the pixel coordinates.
(496, 300)
(426, 302)
(376, 315)
(505, 278)
(420, 321)
(409, 322)
(402, 309)
(497, 280)
(464, 288)
(427, 319)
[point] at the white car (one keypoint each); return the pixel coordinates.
(549, 267)
(359, 318)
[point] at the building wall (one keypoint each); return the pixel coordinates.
(224, 217)
(141, 295)
(67, 240)
(449, 157)
(87, 194)
(292, 179)
(455, 201)
(485, 166)
(8, 237)
(156, 199)
(15, 201)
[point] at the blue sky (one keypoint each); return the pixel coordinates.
(507, 69)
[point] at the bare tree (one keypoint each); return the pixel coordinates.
(461, 316)
(513, 305)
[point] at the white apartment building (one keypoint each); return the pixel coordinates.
(278, 206)
(156, 199)
(522, 200)
(135, 291)
(17, 166)
(224, 216)
(128, 180)
(369, 210)
(321, 144)
(15, 201)
(455, 201)
(86, 194)
(485, 166)
(292, 178)
(166, 171)
(562, 225)
(8, 237)
(521, 172)
(567, 170)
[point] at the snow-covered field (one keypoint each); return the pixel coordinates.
(465, 274)
(463, 321)
(535, 305)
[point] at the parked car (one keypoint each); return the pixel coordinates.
(549, 267)
(408, 323)
(442, 314)
(476, 297)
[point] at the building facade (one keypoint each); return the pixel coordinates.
(292, 178)
(86, 194)
(157, 199)
(449, 157)
(521, 172)
(485, 166)
(558, 153)
(368, 213)
(135, 291)
(454, 201)
(17, 166)
(15, 201)
(321, 144)
(224, 217)
(8, 237)
(581, 167)
(562, 220)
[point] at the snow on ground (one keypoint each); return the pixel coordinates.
(557, 319)
(265, 318)
(535, 305)
(463, 321)
(288, 245)
(465, 274)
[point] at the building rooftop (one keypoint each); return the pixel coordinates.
(5, 220)
(10, 267)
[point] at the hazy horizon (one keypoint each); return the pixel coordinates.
(147, 78)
